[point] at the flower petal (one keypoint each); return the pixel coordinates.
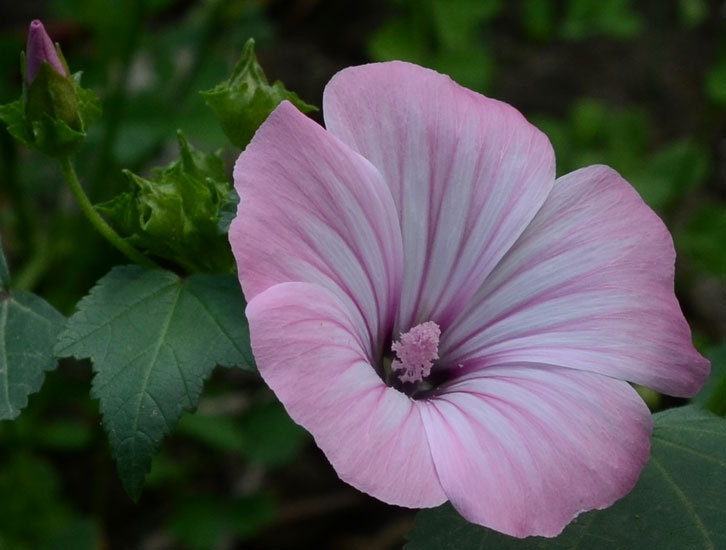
(523, 448)
(589, 285)
(313, 210)
(308, 351)
(467, 174)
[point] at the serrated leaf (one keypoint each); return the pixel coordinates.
(28, 328)
(246, 99)
(153, 339)
(676, 504)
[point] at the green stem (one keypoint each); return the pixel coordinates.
(97, 221)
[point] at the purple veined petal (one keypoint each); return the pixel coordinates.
(40, 48)
(523, 449)
(467, 174)
(589, 286)
(308, 350)
(312, 210)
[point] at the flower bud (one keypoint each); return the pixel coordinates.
(41, 49)
(54, 111)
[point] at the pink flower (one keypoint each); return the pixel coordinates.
(447, 319)
(40, 49)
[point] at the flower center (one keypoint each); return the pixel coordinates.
(416, 350)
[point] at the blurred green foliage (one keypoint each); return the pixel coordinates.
(35, 513)
(446, 35)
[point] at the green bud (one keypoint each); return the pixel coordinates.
(246, 99)
(180, 214)
(54, 111)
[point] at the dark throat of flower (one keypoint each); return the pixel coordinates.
(409, 365)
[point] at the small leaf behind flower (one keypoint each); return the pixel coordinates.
(153, 339)
(246, 99)
(676, 504)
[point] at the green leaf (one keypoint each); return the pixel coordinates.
(676, 504)
(246, 99)
(713, 394)
(28, 328)
(178, 215)
(153, 339)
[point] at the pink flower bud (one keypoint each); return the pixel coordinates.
(40, 48)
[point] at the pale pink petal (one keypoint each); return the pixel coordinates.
(308, 350)
(523, 448)
(313, 210)
(467, 174)
(589, 286)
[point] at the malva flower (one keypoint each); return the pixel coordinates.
(447, 319)
(39, 50)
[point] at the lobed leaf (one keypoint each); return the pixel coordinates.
(676, 504)
(153, 339)
(28, 328)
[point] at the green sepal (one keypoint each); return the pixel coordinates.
(53, 113)
(246, 99)
(176, 215)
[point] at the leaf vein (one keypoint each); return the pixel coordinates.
(124, 311)
(221, 328)
(691, 450)
(685, 501)
(152, 363)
